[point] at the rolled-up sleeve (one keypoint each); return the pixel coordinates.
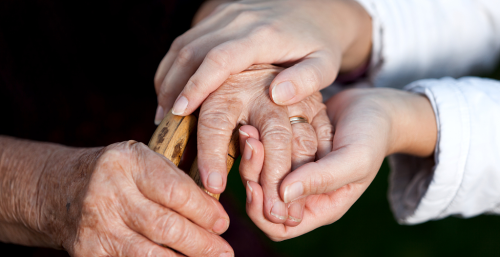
(463, 177)
(416, 39)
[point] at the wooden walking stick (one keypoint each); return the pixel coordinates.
(171, 137)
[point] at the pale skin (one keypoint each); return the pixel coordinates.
(314, 39)
(369, 125)
(244, 99)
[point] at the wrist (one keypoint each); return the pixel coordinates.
(414, 126)
(357, 34)
(61, 189)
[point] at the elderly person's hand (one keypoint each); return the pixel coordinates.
(369, 125)
(315, 38)
(244, 99)
(121, 200)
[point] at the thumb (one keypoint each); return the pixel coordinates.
(330, 173)
(313, 73)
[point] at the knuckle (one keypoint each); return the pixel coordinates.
(173, 229)
(180, 197)
(247, 16)
(234, 6)
(319, 182)
(278, 134)
(311, 76)
(178, 44)
(265, 30)
(219, 57)
(317, 97)
(217, 120)
(324, 132)
(305, 144)
(185, 56)
(175, 193)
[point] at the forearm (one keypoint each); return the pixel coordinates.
(39, 182)
(465, 172)
(356, 32)
(414, 128)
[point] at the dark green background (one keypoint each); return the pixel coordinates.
(369, 229)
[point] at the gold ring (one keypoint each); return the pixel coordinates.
(297, 119)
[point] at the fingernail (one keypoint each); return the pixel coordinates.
(220, 226)
(180, 106)
(279, 210)
(293, 191)
(248, 151)
(215, 180)
(283, 92)
(295, 212)
(226, 255)
(249, 195)
(159, 115)
(243, 133)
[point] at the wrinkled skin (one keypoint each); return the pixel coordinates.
(369, 125)
(314, 39)
(244, 99)
(137, 198)
(121, 200)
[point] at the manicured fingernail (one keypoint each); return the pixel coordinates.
(180, 106)
(279, 210)
(293, 191)
(159, 115)
(243, 133)
(249, 195)
(295, 212)
(248, 151)
(215, 180)
(220, 226)
(283, 92)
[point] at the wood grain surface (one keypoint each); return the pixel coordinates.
(171, 137)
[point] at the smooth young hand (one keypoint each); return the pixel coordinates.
(369, 125)
(316, 39)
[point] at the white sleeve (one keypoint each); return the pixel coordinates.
(417, 39)
(464, 177)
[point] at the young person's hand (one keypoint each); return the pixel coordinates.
(369, 125)
(316, 39)
(244, 99)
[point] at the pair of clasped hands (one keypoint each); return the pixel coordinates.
(212, 66)
(297, 177)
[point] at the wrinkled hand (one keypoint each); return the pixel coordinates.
(244, 99)
(317, 38)
(369, 125)
(137, 200)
